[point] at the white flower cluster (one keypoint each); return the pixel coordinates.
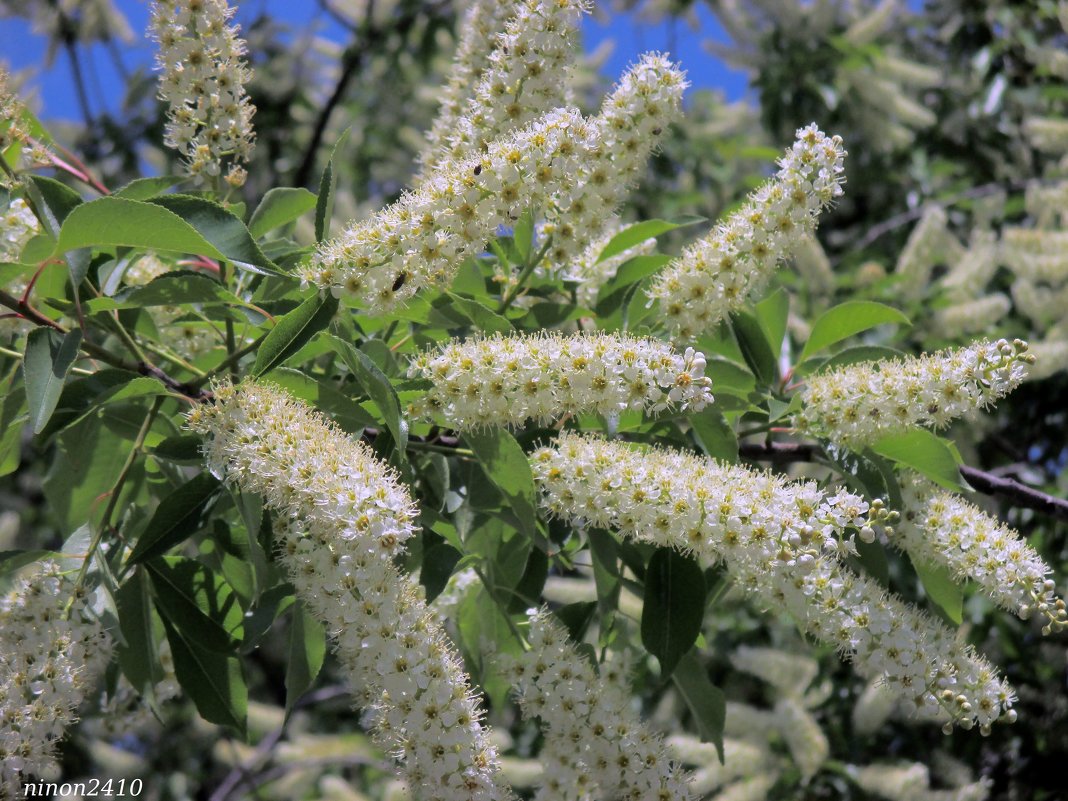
(52, 652)
(741, 759)
(423, 238)
(942, 528)
(859, 404)
(1036, 254)
(596, 746)
(911, 782)
(972, 271)
(716, 274)
(929, 244)
(209, 116)
(782, 542)
(18, 225)
(591, 272)
(970, 317)
(1051, 355)
(14, 131)
(344, 516)
(506, 380)
(788, 673)
(526, 76)
(1048, 134)
(813, 265)
(803, 736)
(631, 123)
(478, 34)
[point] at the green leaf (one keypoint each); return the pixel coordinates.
(54, 200)
(214, 681)
(184, 449)
(324, 204)
(847, 319)
(438, 563)
(131, 223)
(925, 453)
(523, 237)
(326, 397)
(47, 361)
(10, 561)
(377, 385)
(610, 295)
(636, 234)
(139, 655)
(481, 317)
(145, 188)
(705, 700)
(755, 348)
(674, 607)
(508, 469)
(195, 600)
(178, 516)
(307, 647)
(293, 330)
(846, 356)
(715, 435)
(772, 314)
(279, 206)
(940, 587)
(222, 228)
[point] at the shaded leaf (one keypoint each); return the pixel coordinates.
(940, 587)
(293, 330)
(378, 387)
(307, 648)
(705, 700)
(46, 363)
(214, 681)
(178, 516)
(197, 602)
(673, 608)
(279, 206)
(756, 350)
(508, 469)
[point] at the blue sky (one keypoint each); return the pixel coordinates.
(631, 37)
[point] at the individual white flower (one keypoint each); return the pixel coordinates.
(597, 746)
(506, 380)
(632, 121)
(716, 274)
(859, 404)
(526, 75)
(53, 650)
(941, 528)
(478, 30)
(781, 542)
(789, 673)
(343, 518)
(202, 80)
(423, 238)
(971, 316)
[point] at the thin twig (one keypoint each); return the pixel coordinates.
(981, 480)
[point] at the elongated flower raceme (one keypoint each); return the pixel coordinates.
(424, 237)
(971, 316)
(16, 142)
(1036, 255)
(859, 404)
(630, 125)
(716, 274)
(343, 517)
(478, 36)
(507, 380)
(942, 528)
(209, 116)
(803, 736)
(782, 542)
(52, 652)
(596, 745)
(526, 75)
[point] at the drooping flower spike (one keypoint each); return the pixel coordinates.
(716, 274)
(53, 650)
(342, 518)
(422, 239)
(858, 404)
(595, 745)
(507, 380)
(782, 542)
(942, 528)
(202, 80)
